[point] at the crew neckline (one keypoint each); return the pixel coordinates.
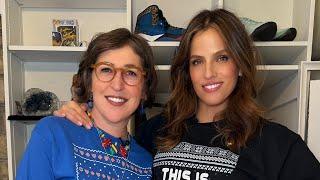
(194, 120)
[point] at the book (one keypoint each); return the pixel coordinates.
(65, 32)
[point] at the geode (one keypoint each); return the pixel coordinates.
(37, 102)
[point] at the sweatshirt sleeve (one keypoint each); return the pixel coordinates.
(36, 163)
(300, 163)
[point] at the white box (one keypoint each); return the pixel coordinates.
(314, 118)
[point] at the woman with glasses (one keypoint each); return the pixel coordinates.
(115, 77)
(212, 127)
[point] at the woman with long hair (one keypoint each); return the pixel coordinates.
(212, 127)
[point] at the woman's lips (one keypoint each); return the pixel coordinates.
(211, 87)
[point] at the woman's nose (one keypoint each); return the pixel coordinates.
(210, 70)
(117, 82)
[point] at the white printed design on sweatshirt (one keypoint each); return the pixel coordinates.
(190, 161)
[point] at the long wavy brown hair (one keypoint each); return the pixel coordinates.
(243, 116)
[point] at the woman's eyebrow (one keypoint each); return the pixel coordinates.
(130, 65)
(222, 51)
(195, 56)
(126, 65)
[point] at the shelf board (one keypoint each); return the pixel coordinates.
(163, 67)
(46, 48)
(278, 67)
(24, 118)
(48, 53)
(74, 4)
(280, 43)
(164, 43)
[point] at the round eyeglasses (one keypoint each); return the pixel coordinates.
(131, 74)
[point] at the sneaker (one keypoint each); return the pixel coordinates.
(285, 34)
(260, 31)
(152, 22)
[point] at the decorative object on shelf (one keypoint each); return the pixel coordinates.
(37, 102)
(260, 31)
(65, 32)
(285, 34)
(151, 22)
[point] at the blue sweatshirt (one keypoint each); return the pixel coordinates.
(59, 149)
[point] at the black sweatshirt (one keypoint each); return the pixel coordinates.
(276, 153)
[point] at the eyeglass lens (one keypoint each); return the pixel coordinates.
(130, 75)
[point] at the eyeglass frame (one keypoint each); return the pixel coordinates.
(121, 69)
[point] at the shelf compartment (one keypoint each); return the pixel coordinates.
(278, 53)
(30, 21)
(286, 13)
(270, 75)
(175, 17)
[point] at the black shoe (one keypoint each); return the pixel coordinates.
(285, 35)
(260, 31)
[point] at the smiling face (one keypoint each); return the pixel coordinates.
(115, 101)
(213, 73)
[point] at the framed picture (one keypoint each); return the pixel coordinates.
(65, 32)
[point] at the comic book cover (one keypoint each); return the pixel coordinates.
(65, 32)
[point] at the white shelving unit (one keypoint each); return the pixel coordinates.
(31, 61)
